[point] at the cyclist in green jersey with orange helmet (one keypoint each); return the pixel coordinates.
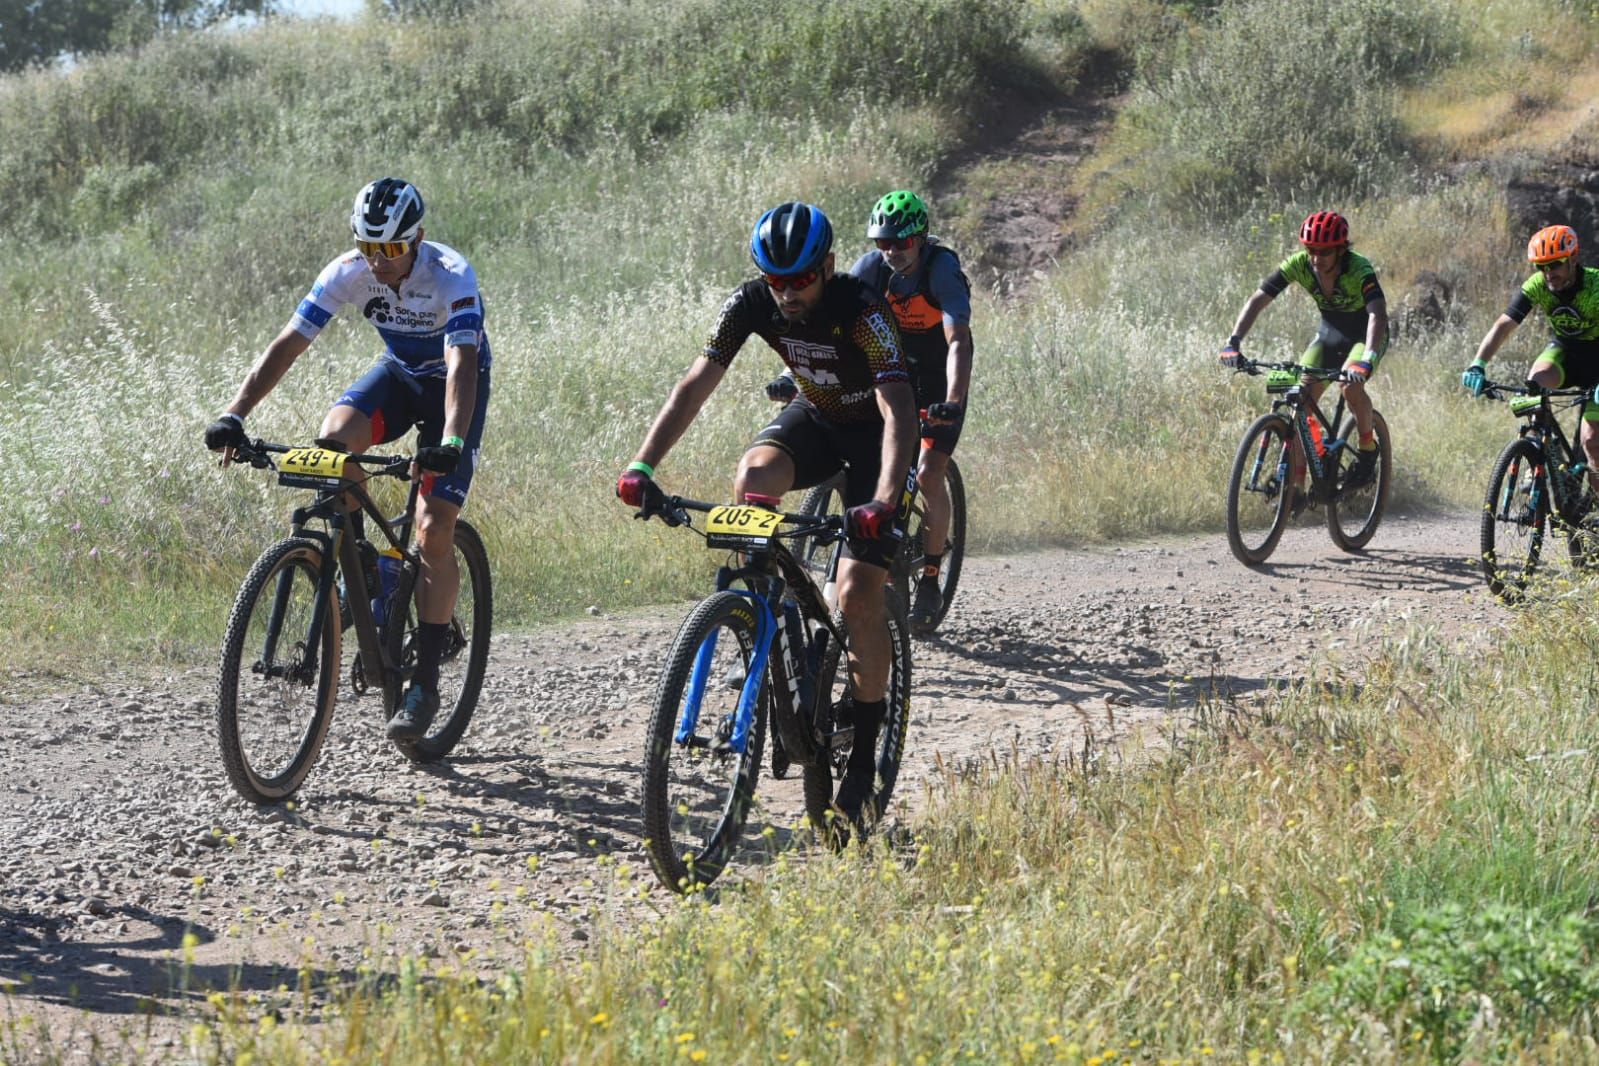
(1353, 332)
(1568, 295)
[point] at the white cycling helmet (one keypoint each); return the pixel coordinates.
(389, 209)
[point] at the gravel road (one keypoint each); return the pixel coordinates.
(121, 834)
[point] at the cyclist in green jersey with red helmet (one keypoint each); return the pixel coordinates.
(1353, 332)
(1568, 294)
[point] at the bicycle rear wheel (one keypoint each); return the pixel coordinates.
(1353, 516)
(908, 563)
(274, 704)
(1515, 517)
(834, 684)
(1258, 491)
(1582, 524)
(466, 648)
(698, 791)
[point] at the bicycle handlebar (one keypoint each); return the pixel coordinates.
(1499, 390)
(827, 528)
(1252, 368)
(258, 454)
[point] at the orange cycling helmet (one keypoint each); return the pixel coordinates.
(1324, 229)
(1551, 243)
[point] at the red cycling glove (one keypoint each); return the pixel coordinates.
(870, 520)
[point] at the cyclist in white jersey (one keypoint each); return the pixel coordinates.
(422, 297)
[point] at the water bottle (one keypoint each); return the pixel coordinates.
(389, 563)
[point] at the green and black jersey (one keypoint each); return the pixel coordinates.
(1573, 314)
(1344, 310)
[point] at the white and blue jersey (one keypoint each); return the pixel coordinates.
(438, 305)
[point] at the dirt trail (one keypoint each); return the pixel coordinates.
(121, 833)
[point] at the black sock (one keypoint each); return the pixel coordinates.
(868, 721)
(430, 638)
(931, 563)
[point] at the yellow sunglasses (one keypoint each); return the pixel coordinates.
(383, 249)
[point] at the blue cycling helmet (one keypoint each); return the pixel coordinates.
(791, 238)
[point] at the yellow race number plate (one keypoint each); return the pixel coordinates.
(311, 468)
(741, 527)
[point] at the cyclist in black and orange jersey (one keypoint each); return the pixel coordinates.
(1353, 332)
(932, 301)
(855, 406)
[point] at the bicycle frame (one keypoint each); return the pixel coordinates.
(1541, 424)
(1314, 432)
(768, 578)
(329, 507)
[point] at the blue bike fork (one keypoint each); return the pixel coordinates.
(699, 677)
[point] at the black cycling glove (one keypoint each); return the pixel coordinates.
(226, 432)
(439, 458)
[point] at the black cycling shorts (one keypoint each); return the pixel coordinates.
(820, 449)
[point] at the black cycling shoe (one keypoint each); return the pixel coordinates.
(1363, 472)
(415, 714)
(857, 791)
(929, 601)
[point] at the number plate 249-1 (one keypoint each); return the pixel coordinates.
(741, 528)
(311, 468)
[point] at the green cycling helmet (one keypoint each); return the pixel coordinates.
(899, 214)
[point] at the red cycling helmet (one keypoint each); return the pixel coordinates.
(1551, 243)
(1324, 229)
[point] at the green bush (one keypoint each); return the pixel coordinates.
(594, 73)
(1273, 99)
(1458, 979)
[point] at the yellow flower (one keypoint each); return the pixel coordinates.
(600, 1019)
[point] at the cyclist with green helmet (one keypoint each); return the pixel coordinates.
(1353, 332)
(922, 280)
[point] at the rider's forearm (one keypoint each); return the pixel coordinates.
(1376, 326)
(1502, 328)
(268, 370)
(958, 368)
(679, 411)
(460, 389)
(1252, 309)
(897, 402)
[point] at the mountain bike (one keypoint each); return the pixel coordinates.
(767, 626)
(1541, 478)
(828, 499)
(1261, 497)
(282, 653)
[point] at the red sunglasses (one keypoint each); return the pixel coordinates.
(887, 244)
(779, 282)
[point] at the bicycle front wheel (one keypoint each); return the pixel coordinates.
(275, 693)
(466, 646)
(1258, 490)
(1515, 517)
(698, 789)
(833, 680)
(1354, 514)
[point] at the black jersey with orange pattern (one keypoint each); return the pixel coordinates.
(847, 347)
